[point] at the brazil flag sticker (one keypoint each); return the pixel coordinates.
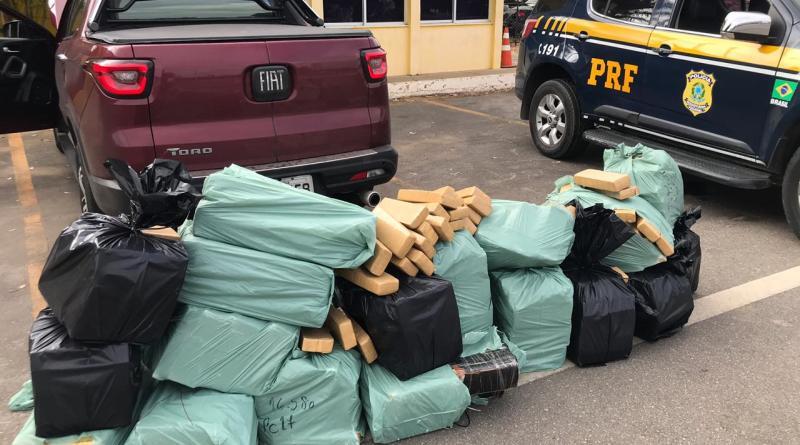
(783, 92)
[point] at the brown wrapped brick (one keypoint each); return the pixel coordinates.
(380, 260)
(423, 263)
(601, 180)
(665, 247)
(458, 224)
(470, 227)
(317, 340)
(648, 230)
(406, 266)
(442, 227)
(474, 216)
(424, 244)
(409, 214)
(627, 215)
(622, 195)
(365, 345)
(382, 285)
(459, 213)
(341, 327)
(436, 209)
(427, 230)
(392, 234)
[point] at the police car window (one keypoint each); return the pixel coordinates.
(547, 5)
(707, 15)
(634, 11)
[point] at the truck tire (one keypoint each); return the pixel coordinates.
(554, 120)
(790, 193)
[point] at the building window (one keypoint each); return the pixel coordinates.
(364, 11)
(454, 10)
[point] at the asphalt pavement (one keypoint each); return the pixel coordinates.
(731, 378)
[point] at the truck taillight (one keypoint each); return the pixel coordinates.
(375, 64)
(123, 79)
(530, 25)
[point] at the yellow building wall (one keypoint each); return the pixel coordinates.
(421, 48)
(455, 47)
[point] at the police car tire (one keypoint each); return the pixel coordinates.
(790, 193)
(571, 144)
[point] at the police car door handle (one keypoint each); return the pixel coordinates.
(583, 35)
(664, 50)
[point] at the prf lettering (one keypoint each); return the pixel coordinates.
(613, 71)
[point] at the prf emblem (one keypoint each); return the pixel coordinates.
(619, 77)
(698, 97)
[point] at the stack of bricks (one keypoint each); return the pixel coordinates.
(618, 186)
(342, 329)
(408, 229)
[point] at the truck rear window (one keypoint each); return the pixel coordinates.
(120, 11)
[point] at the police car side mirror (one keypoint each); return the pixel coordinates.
(746, 26)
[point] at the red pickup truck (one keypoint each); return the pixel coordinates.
(259, 83)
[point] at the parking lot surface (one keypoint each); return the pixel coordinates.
(731, 378)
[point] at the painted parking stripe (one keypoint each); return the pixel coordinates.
(713, 305)
(474, 113)
(35, 242)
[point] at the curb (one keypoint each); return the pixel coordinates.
(452, 85)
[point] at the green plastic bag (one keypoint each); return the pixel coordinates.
(637, 253)
(655, 173)
(257, 284)
(463, 263)
(396, 410)
(519, 235)
(27, 436)
(243, 208)
(23, 399)
(534, 308)
(478, 342)
(314, 400)
(227, 352)
(175, 414)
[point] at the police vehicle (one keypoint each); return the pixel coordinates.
(712, 82)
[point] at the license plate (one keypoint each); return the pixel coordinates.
(304, 182)
(271, 83)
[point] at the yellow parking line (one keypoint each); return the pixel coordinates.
(713, 305)
(474, 113)
(35, 243)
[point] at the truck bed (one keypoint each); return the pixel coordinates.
(222, 32)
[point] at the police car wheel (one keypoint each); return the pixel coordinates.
(791, 193)
(554, 120)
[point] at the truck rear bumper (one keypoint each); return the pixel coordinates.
(339, 174)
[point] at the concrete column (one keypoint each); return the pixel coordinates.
(414, 36)
(496, 15)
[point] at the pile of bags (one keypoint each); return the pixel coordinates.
(524, 244)
(278, 316)
(111, 291)
(634, 262)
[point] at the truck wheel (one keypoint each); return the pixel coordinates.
(790, 193)
(554, 120)
(88, 203)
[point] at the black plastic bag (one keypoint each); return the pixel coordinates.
(79, 387)
(488, 373)
(414, 330)
(603, 313)
(162, 195)
(687, 246)
(107, 282)
(664, 300)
